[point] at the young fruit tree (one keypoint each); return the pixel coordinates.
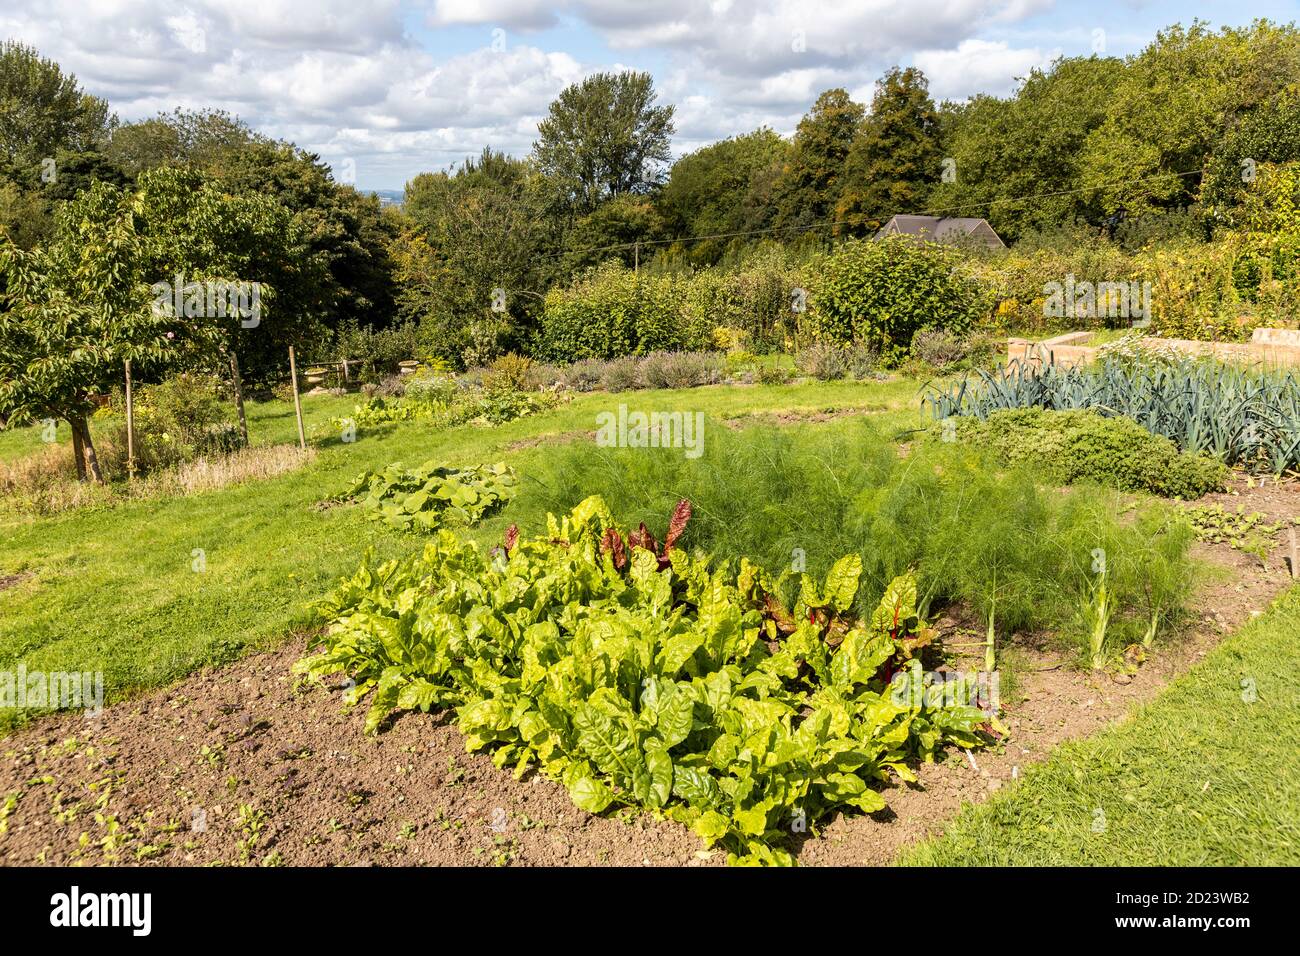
(73, 311)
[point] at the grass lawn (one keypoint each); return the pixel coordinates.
(1206, 775)
(114, 590)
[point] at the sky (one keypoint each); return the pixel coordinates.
(385, 89)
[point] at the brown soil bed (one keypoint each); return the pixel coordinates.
(246, 765)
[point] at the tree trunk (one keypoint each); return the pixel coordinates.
(239, 397)
(88, 449)
(78, 452)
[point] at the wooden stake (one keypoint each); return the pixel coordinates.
(130, 424)
(239, 396)
(1295, 556)
(297, 402)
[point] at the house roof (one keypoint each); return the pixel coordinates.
(940, 228)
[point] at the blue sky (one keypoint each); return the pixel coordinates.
(383, 89)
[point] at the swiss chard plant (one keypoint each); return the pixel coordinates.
(640, 675)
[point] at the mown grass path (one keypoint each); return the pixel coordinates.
(1208, 774)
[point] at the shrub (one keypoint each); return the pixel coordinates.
(1136, 349)
(183, 418)
(823, 361)
(429, 388)
(543, 375)
(939, 347)
(881, 292)
(681, 369)
(1082, 446)
(826, 362)
(512, 372)
(584, 375)
(771, 374)
(611, 311)
(861, 362)
(621, 375)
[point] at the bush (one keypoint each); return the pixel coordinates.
(185, 417)
(769, 374)
(429, 388)
(1239, 416)
(612, 311)
(511, 372)
(377, 351)
(881, 292)
(621, 375)
(939, 347)
(681, 369)
(826, 362)
(823, 361)
(583, 376)
(1082, 446)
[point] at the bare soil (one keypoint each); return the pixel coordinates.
(247, 765)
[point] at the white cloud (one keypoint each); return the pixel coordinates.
(346, 78)
(979, 66)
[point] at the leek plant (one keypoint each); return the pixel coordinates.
(1241, 416)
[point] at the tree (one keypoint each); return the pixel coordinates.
(72, 311)
(1172, 105)
(895, 159)
(723, 188)
(1270, 134)
(1028, 146)
(476, 256)
(622, 223)
(203, 138)
(43, 110)
(813, 175)
(192, 226)
(604, 137)
(343, 228)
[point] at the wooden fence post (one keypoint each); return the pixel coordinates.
(236, 378)
(130, 424)
(297, 402)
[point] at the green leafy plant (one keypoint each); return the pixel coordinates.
(1239, 416)
(882, 292)
(1251, 533)
(1073, 446)
(640, 675)
(431, 495)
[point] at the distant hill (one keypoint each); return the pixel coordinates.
(390, 197)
